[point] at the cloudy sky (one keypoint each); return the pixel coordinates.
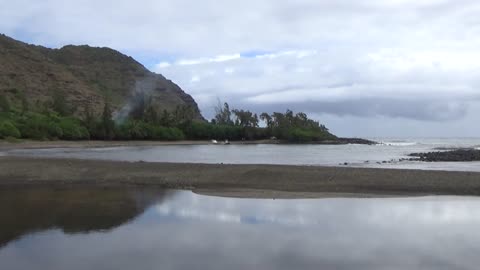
(364, 68)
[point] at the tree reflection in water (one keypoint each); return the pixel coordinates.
(73, 209)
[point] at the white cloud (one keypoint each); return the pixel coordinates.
(163, 65)
(216, 59)
(195, 79)
(383, 83)
(368, 58)
(297, 53)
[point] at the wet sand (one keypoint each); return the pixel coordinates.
(28, 144)
(237, 180)
(32, 144)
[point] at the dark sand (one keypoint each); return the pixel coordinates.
(28, 144)
(31, 144)
(237, 180)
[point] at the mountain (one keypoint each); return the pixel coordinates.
(85, 76)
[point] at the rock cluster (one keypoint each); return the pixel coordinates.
(454, 155)
(348, 141)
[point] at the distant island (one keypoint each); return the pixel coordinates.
(86, 93)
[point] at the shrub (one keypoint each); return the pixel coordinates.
(7, 129)
(51, 126)
(165, 133)
(132, 130)
(299, 135)
(73, 130)
(306, 135)
(140, 130)
(199, 131)
(39, 126)
(174, 134)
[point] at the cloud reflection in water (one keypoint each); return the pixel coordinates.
(189, 231)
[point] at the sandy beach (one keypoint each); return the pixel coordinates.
(236, 180)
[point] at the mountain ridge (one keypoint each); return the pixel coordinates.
(87, 76)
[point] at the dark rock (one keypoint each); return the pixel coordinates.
(454, 156)
(355, 141)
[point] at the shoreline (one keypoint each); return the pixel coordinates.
(33, 144)
(235, 180)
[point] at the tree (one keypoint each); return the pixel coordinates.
(289, 115)
(245, 118)
(278, 120)
(60, 104)
(166, 119)
(107, 122)
(223, 115)
(301, 119)
(151, 115)
(255, 120)
(267, 119)
(4, 103)
(89, 118)
(183, 115)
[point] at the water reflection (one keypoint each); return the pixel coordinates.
(189, 231)
(72, 210)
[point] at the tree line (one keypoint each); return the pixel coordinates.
(284, 126)
(58, 120)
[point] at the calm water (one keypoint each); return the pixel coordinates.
(327, 155)
(155, 229)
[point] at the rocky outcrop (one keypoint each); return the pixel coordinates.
(348, 141)
(86, 75)
(454, 155)
(356, 141)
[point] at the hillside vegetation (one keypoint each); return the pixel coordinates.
(81, 93)
(85, 76)
(144, 123)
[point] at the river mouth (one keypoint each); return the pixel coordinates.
(383, 156)
(148, 228)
